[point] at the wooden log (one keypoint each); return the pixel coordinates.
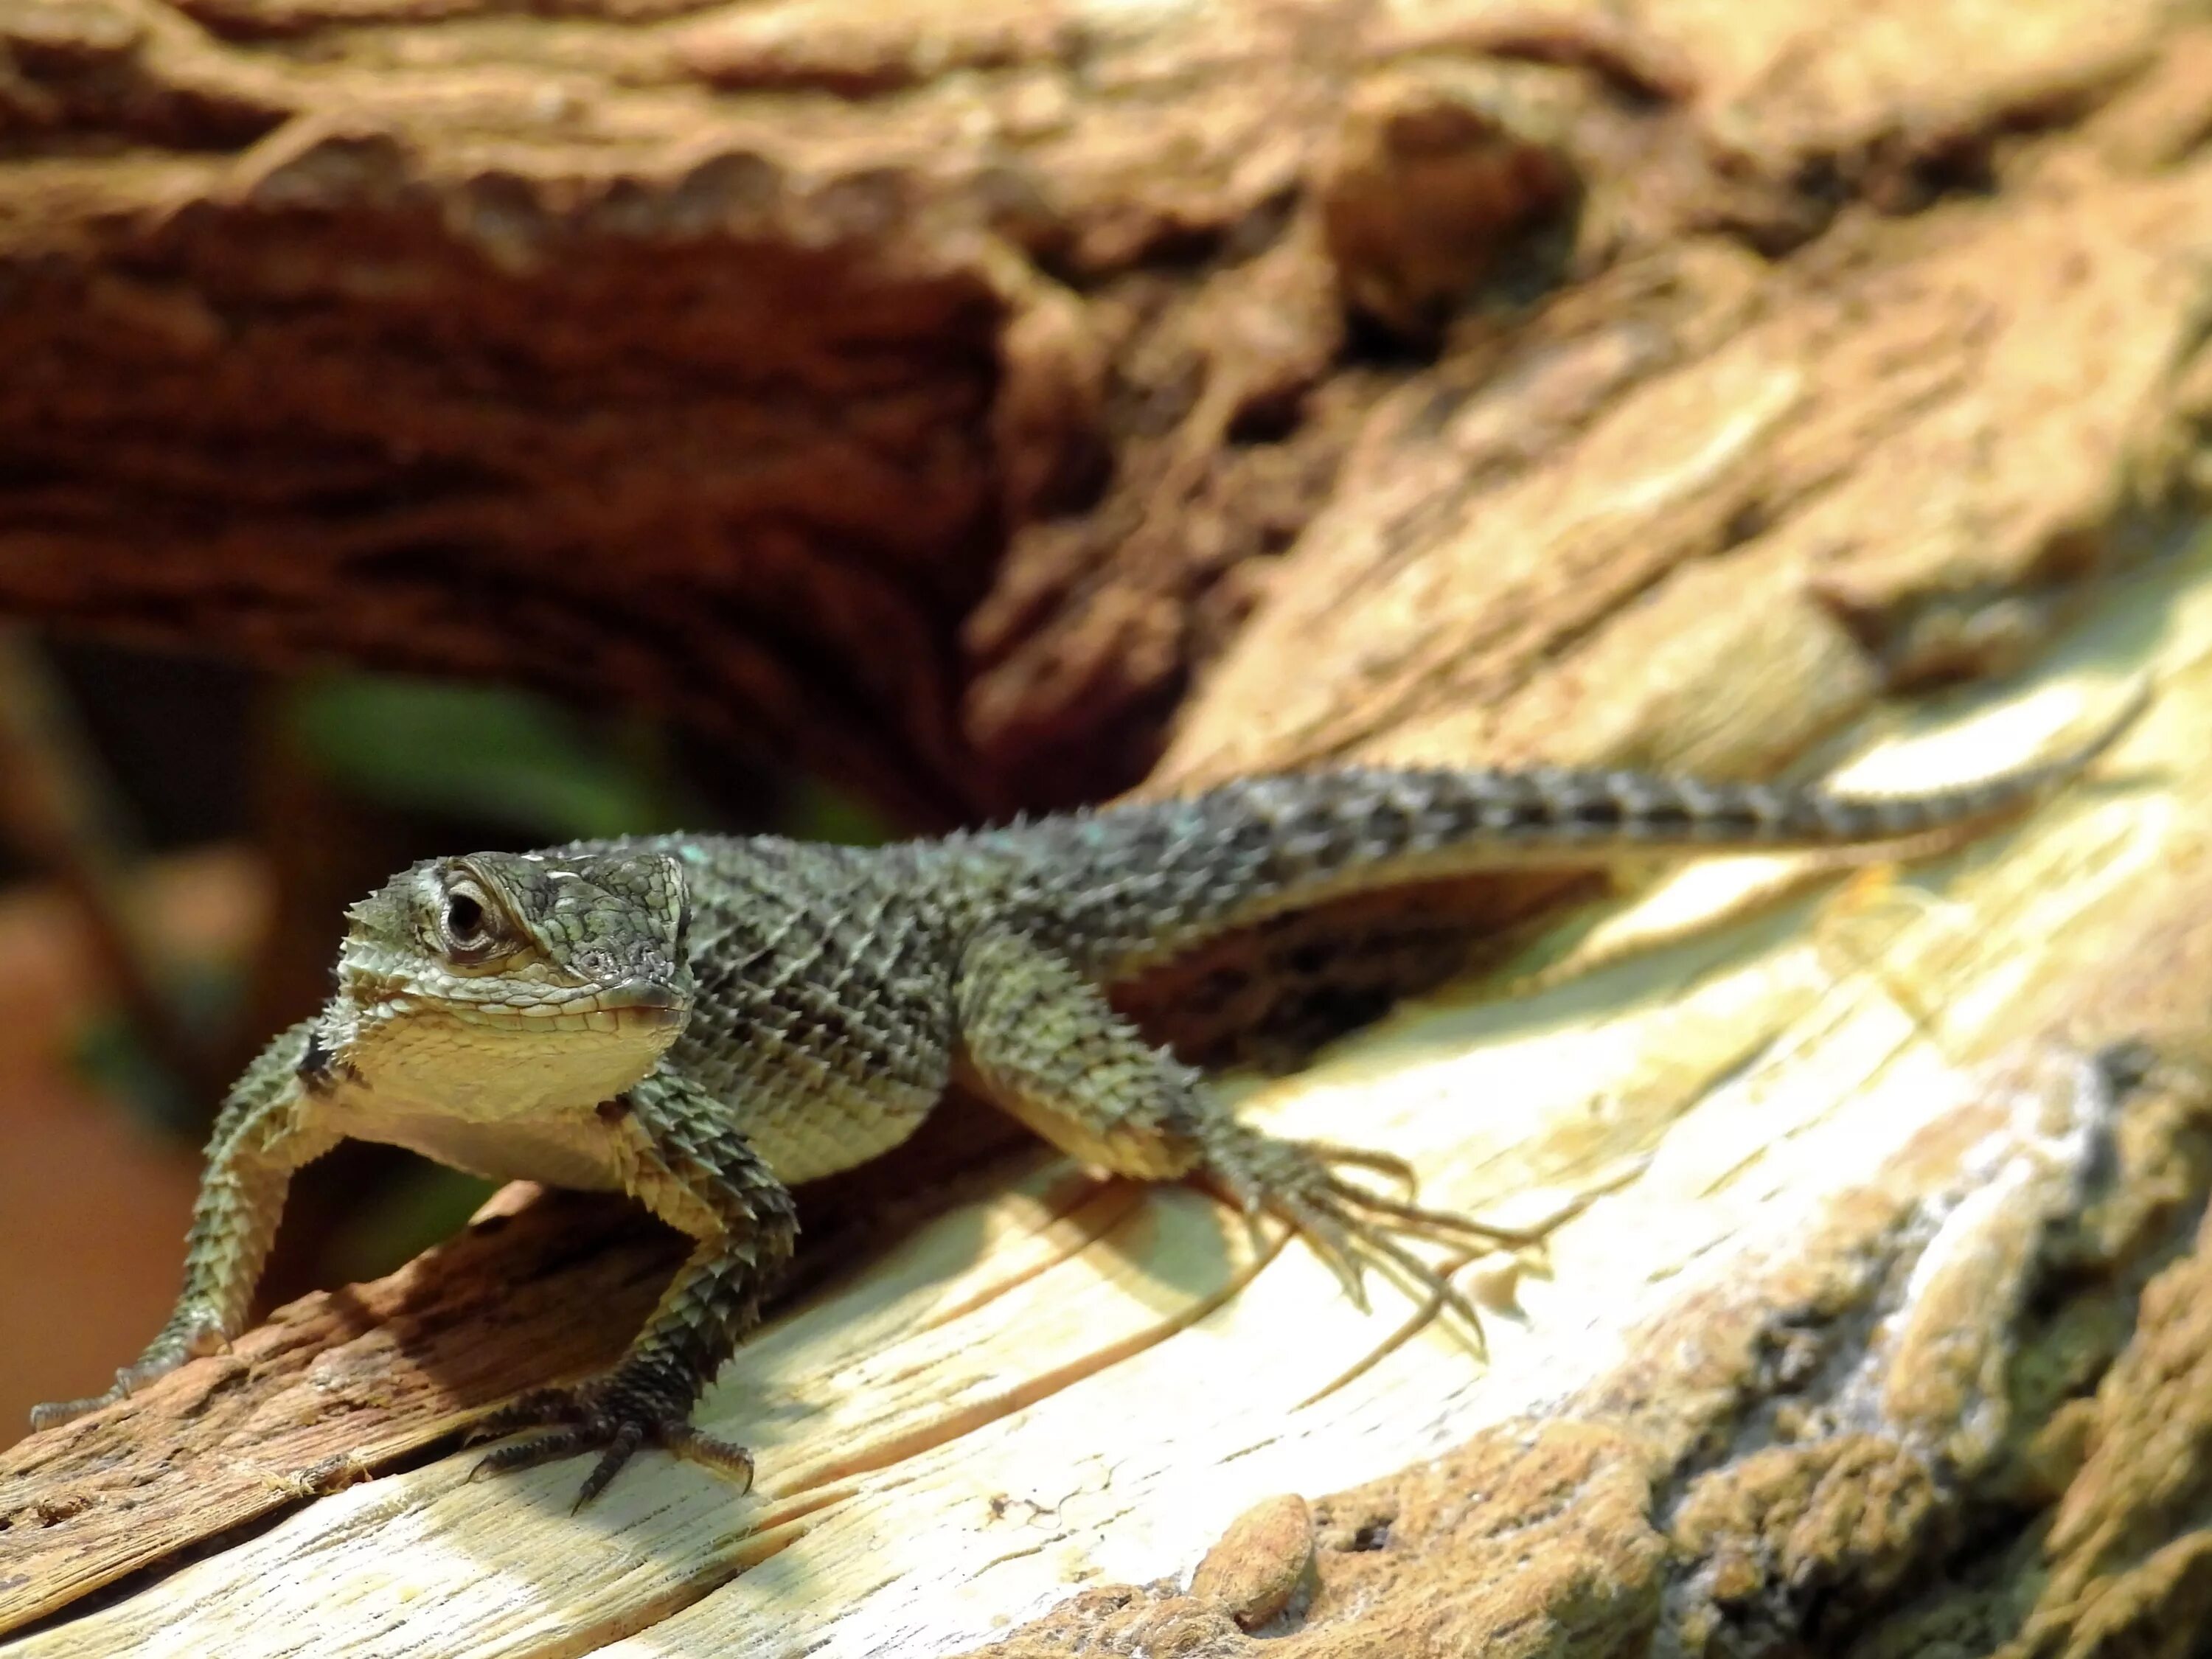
(709, 357)
(1886, 1283)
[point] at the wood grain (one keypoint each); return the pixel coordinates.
(1866, 1125)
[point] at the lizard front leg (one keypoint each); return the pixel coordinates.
(1043, 1042)
(268, 1128)
(680, 1152)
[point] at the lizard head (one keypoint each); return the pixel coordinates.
(502, 983)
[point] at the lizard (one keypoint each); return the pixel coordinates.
(704, 1022)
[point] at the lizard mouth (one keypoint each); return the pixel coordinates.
(635, 1005)
(645, 1005)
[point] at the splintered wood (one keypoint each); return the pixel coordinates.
(1072, 1381)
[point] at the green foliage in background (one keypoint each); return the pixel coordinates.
(500, 756)
(483, 752)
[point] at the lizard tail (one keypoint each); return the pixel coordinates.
(1627, 811)
(1170, 874)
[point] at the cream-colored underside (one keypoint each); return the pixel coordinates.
(573, 1147)
(425, 1058)
(506, 1102)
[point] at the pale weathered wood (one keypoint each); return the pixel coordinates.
(1054, 1385)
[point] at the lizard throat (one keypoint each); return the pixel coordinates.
(490, 1063)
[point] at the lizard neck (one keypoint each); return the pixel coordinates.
(411, 1054)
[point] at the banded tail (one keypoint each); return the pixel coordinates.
(1131, 884)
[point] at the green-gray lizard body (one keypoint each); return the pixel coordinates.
(703, 1021)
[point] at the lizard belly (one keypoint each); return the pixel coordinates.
(822, 1130)
(561, 1152)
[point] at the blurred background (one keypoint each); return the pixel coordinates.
(178, 839)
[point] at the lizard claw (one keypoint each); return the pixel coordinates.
(614, 1415)
(191, 1334)
(1349, 1226)
(55, 1412)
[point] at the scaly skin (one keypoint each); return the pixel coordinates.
(702, 1021)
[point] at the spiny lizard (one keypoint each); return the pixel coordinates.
(703, 1021)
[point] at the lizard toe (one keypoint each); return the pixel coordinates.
(1349, 1226)
(191, 1334)
(615, 1416)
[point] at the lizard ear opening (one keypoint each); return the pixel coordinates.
(683, 907)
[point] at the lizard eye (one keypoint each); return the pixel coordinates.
(468, 928)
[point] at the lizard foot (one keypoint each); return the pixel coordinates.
(55, 1412)
(1348, 1225)
(190, 1334)
(613, 1415)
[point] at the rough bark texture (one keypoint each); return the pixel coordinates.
(988, 404)
(926, 391)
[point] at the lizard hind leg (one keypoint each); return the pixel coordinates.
(1043, 1042)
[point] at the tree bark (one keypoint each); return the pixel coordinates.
(992, 406)
(927, 394)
